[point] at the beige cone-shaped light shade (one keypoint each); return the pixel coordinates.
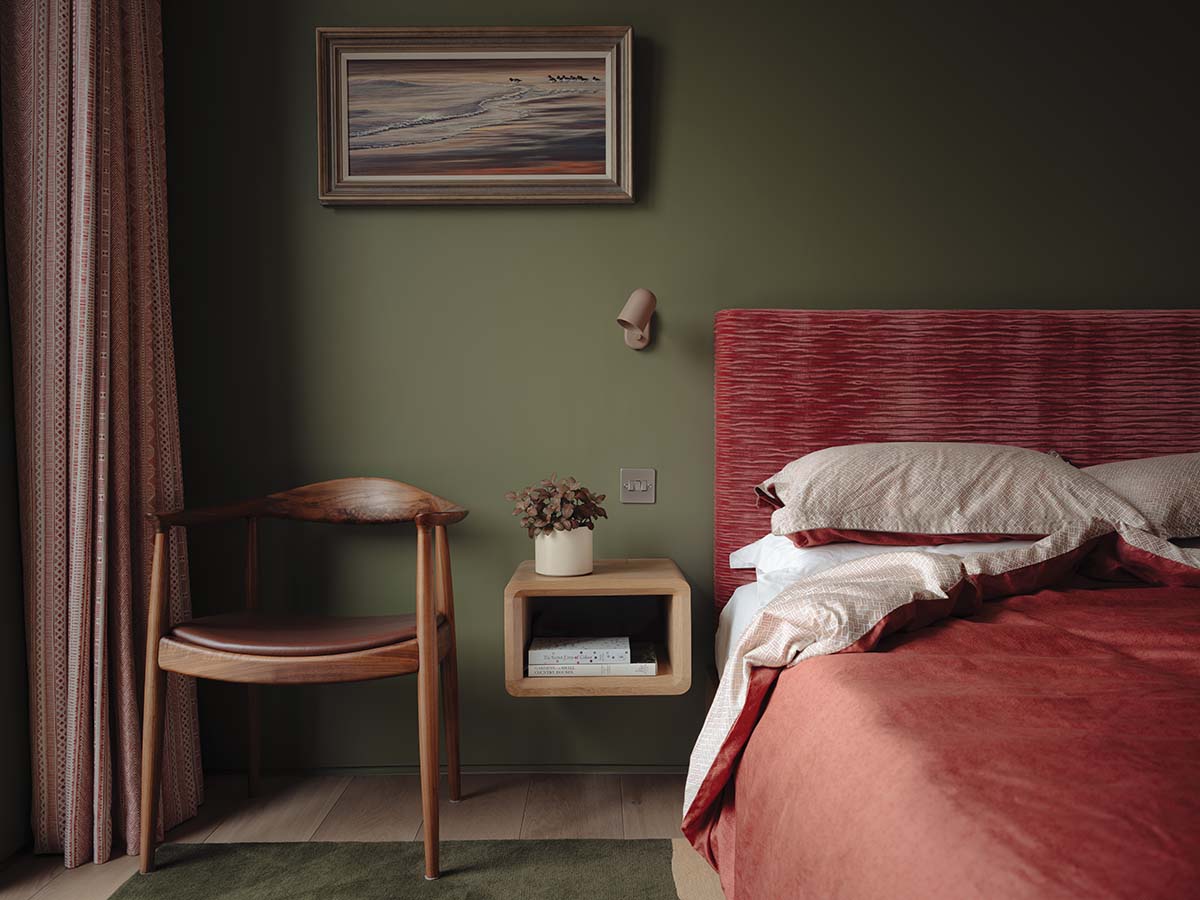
(635, 318)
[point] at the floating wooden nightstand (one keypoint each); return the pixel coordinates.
(660, 588)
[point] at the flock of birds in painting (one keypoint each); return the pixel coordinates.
(561, 78)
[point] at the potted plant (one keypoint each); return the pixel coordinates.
(559, 516)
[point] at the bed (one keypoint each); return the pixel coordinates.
(1048, 744)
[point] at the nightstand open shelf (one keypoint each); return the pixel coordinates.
(656, 585)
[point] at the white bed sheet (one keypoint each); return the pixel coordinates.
(748, 599)
(743, 606)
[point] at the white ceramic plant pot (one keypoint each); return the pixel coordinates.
(563, 552)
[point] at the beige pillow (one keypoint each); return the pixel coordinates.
(935, 489)
(1165, 488)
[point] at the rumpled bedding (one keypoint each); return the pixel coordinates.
(932, 770)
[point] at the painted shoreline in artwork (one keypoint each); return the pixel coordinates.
(477, 117)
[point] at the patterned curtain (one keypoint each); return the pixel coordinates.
(97, 423)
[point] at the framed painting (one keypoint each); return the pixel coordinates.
(474, 115)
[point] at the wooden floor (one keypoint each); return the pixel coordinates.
(384, 808)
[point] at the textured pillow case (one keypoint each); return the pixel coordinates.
(935, 493)
(778, 553)
(1165, 488)
(819, 537)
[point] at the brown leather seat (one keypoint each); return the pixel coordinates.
(266, 634)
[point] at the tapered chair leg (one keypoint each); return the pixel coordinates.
(154, 700)
(449, 664)
(427, 698)
(450, 714)
(152, 728)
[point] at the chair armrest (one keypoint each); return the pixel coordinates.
(206, 515)
(443, 517)
(269, 507)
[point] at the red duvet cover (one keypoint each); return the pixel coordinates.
(1048, 746)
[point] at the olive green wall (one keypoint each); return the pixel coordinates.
(14, 705)
(788, 154)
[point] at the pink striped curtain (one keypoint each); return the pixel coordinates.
(97, 424)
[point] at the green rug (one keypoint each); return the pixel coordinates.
(479, 870)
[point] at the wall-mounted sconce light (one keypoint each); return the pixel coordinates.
(635, 318)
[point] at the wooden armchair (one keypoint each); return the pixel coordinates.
(257, 648)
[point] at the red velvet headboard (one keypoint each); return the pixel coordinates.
(1095, 385)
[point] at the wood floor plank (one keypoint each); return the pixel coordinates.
(652, 805)
(25, 874)
(223, 794)
(573, 806)
(90, 881)
(374, 808)
(491, 809)
(290, 809)
(387, 808)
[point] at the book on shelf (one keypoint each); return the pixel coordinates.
(643, 661)
(578, 650)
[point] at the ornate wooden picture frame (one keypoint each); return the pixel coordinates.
(475, 115)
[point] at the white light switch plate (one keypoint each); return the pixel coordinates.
(637, 485)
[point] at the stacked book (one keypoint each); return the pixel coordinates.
(562, 657)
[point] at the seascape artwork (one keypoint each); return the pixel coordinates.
(489, 118)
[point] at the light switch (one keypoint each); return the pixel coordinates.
(637, 485)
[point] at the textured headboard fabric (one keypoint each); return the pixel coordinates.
(1095, 385)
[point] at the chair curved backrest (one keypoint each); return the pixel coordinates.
(361, 500)
(340, 501)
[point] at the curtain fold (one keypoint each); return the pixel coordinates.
(96, 412)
